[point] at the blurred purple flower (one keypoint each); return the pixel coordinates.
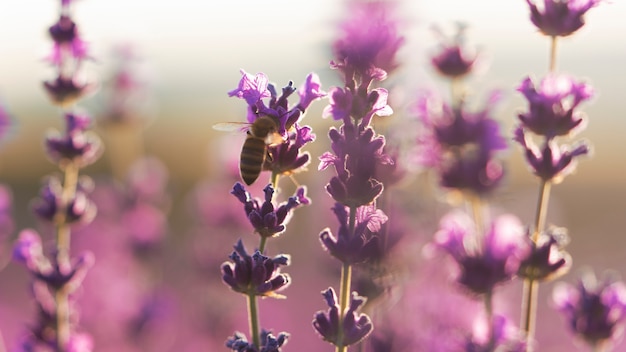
(546, 260)
(460, 145)
(454, 59)
(79, 209)
(66, 39)
(77, 145)
(256, 274)
(66, 91)
(310, 90)
(552, 163)
(369, 41)
(560, 17)
(484, 261)
(80, 342)
(500, 336)
(552, 105)
(268, 220)
(357, 247)
(595, 311)
(355, 326)
(269, 342)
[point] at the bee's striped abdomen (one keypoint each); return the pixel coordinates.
(252, 159)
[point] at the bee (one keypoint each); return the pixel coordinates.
(260, 134)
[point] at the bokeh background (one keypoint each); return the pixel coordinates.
(189, 53)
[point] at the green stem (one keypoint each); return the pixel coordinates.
(253, 320)
(553, 41)
(274, 181)
(344, 290)
(531, 286)
(63, 239)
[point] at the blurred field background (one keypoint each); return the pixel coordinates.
(190, 54)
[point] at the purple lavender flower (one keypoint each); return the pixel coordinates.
(77, 146)
(546, 260)
(268, 220)
(552, 163)
(369, 41)
(461, 145)
(269, 342)
(454, 59)
(310, 91)
(560, 17)
(355, 327)
(552, 105)
(66, 91)
(66, 39)
(28, 251)
(355, 161)
(357, 247)
(79, 209)
(257, 274)
(595, 311)
(484, 262)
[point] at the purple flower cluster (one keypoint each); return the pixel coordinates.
(552, 112)
(595, 311)
(454, 59)
(461, 145)
(50, 276)
(504, 337)
(560, 17)
(350, 327)
(77, 146)
(483, 262)
(269, 342)
(255, 275)
(267, 219)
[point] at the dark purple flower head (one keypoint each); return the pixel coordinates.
(268, 220)
(357, 247)
(269, 342)
(552, 105)
(64, 33)
(355, 326)
(345, 104)
(356, 157)
(77, 145)
(257, 274)
(461, 145)
(454, 59)
(546, 260)
(28, 251)
(552, 163)
(595, 311)
(79, 209)
(484, 261)
(560, 17)
(287, 157)
(369, 41)
(502, 336)
(66, 91)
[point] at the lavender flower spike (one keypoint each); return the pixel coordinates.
(268, 220)
(560, 17)
(269, 342)
(256, 274)
(355, 326)
(552, 105)
(454, 59)
(485, 262)
(596, 311)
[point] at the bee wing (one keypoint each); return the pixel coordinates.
(232, 126)
(274, 139)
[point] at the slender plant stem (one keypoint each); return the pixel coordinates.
(489, 316)
(63, 239)
(344, 290)
(531, 286)
(253, 319)
(553, 41)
